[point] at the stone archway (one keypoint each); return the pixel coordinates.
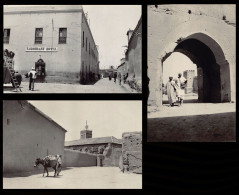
(213, 68)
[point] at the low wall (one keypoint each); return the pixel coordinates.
(73, 158)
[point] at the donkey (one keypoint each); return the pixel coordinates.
(48, 161)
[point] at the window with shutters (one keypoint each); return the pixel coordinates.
(62, 35)
(38, 35)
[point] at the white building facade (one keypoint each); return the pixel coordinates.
(57, 34)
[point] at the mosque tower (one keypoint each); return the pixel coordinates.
(84, 134)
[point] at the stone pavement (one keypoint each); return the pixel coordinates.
(102, 86)
(77, 178)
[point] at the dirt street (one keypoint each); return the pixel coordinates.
(77, 178)
(102, 86)
(192, 122)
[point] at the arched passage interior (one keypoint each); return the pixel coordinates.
(212, 67)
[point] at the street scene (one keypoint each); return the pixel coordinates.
(103, 85)
(90, 178)
(69, 46)
(72, 144)
(191, 73)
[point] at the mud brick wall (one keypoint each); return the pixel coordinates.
(112, 155)
(132, 152)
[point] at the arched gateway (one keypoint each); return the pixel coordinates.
(208, 41)
(213, 68)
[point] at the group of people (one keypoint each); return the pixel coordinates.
(175, 89)
(120, 77)
(8, 59)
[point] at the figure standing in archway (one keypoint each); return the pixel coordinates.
(171, 91)
(181, 82)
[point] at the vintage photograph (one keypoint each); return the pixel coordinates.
(72, 144)
(191, 73)
(72, 49)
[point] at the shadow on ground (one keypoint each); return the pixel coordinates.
(34, 172)
(197, 128)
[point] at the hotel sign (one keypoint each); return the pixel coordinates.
(44, 49)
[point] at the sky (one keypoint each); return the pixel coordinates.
(104, 118)
(109, 25)
(177, 63)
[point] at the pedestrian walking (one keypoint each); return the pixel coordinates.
(58, 165)
(171, 91)
(119, 75)
(181, 82)
(32, 77)
(115, 76)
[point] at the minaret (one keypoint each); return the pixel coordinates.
(84, 134)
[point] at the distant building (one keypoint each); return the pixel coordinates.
(107, 72)
(27, 135)
(59, 35)
(191, 85)
(122, 68)
(109, 148)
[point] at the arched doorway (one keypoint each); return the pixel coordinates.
(212, 67)
(179, 63)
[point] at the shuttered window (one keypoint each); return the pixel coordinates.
(38, 35)
(62, 35)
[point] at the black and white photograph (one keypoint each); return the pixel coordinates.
(72, 49)
(191, 73)
(125, 97)
(72, 144)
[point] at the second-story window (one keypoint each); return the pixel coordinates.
(6, 36)
(38, 35)
(62, 35)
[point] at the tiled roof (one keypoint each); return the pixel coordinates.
(88, 141)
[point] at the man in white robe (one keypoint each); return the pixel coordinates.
(181, 91)
(171, 92)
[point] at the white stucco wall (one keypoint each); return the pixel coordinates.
(28, 135)
(68, 57)
(90, 64)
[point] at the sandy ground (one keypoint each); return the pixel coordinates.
(102, 86)
(192, 122)
(77, 178)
